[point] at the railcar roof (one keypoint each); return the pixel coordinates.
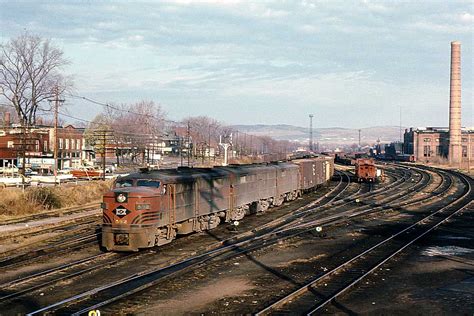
(312, 159)
(183, 174)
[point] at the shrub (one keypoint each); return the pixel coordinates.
(15, 202)
(46, 198)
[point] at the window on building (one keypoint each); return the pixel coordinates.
(464, 140)
(67, 143)
(73, 143)
(37, 145)
(439, 150)
(60, 143)
(10, 144)
(437, 140)
(45, 145)
(464, 151)
(78, 144)
(427, 140)
(426, 151)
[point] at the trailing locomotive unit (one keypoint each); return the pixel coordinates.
(150, 208)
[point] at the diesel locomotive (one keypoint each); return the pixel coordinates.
(150, 208)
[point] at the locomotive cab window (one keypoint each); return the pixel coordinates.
(124, 183)
(148, 183)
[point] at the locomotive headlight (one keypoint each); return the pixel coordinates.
(140, 207)
(121, 198)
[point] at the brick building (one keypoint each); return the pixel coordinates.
(37, 144)
(431, 144)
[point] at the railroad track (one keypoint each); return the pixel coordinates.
(307, 215)
(54, 246)
(22, 285)
(26, 284)
(108, 293)
(391, 204)
(58, 239)
(52, 213)
(232, 247)
(323, 289)
(264, 242)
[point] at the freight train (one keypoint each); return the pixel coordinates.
(150, 208)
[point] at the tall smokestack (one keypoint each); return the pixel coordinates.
(455, 105)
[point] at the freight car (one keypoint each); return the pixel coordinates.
(150, 208)
(365, 170)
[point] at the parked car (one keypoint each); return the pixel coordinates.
(110, 169)
(30, 172)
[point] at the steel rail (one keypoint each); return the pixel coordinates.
(63, 277)
(302, 222)
(307, 286)
(187, 263)
(423, 221)
(164, 272)
(62, 246)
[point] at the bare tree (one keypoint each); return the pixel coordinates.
(136, 129)
(29, 74)
(204, 132)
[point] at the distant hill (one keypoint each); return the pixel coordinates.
(332, 135)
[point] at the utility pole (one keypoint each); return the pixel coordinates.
(56, 112)
(55, 154)
(181, 149)
(400, 123)
(102, 136)
(187, 135)
(359, 139)
(209, 147)
(104, 142)
(251, 145)
(245, 144)
(311, 132)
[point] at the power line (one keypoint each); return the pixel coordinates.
(117, 108)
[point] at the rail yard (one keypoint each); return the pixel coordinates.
(311, 255)
(156, 157)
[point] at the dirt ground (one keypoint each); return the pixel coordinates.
(435, 276)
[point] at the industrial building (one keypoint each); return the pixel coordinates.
(444, 145)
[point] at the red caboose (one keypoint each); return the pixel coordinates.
(365, 170)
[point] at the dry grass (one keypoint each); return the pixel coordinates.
(16, 202)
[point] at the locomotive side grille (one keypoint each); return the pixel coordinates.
(147, 218)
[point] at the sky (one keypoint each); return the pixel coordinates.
(350, 63)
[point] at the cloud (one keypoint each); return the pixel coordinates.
(136, 38)
(467, 17)
(307, 28)
(194, 53)
(204, 2)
